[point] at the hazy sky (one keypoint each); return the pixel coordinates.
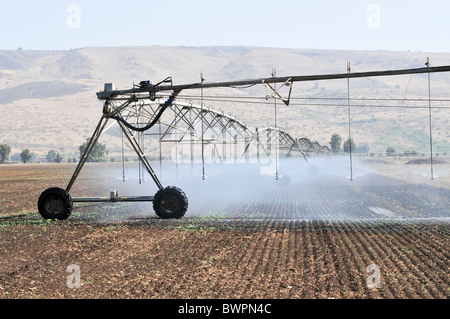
(315, 24)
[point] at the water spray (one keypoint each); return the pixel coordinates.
(156, 99)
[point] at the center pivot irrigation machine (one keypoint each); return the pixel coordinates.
(140, 108)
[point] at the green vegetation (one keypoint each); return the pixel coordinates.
(335, 143)
(98, 152)
(4, 152)
(400, 136)
(26, 155)
(22, 219)
(349, 145)
(363, 148)
(390, 151)
(411, 153)
(54, 157)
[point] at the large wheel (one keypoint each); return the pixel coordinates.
(55, 203)
(170, 202)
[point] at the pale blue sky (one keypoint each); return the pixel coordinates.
(398, 25)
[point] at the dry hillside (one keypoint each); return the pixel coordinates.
(48, 98)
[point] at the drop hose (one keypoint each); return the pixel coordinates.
(149, 125)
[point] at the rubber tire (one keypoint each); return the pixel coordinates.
(170, 203)
(60, 198)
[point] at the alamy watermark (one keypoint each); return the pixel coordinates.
(374, 280)
(73, 20)
(74, 279)
(374, 19)
(230, 147)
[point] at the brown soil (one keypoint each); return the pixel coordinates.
(206, 256)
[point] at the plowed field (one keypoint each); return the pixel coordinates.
(312, 239)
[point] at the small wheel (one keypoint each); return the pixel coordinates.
(170, 202)
(55, 203)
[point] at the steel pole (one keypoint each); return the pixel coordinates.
(110, 95)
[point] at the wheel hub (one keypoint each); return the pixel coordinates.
(55, 205)
(169, 203)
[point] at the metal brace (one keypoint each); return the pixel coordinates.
(289, 83)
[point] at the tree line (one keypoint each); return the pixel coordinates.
(336, 142)
(5, 151)
(98, 154)
(349, 145)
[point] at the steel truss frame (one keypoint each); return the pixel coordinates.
(182, 128)
(222, 129)
(134, 111)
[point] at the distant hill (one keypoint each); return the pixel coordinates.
(48, 98)
(39, 90)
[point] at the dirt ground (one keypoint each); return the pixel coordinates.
(274, 254)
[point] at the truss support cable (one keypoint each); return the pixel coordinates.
(123, 159)
(141, 165)
(349, 121)
(143, 149)
(95, 136)
(429, 116)
(274, 74)
(176, 145)
(191, 133)
(142, 157)
(203, 140)
(160, 152)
